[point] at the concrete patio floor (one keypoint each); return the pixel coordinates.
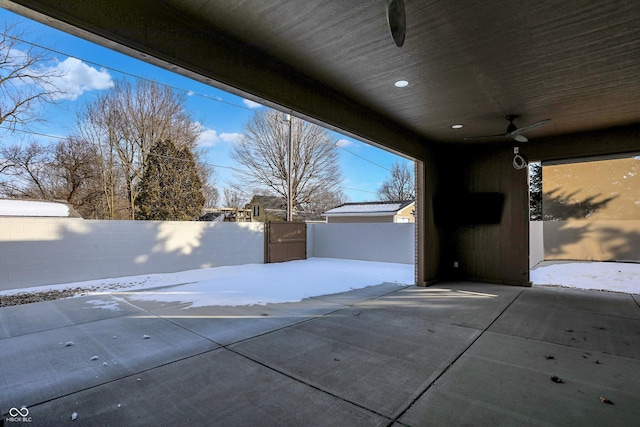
(454, 354)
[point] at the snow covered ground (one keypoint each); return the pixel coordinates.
(293, 281)
(602, 276)
(248, 284)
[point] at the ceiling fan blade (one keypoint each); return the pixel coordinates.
(515, 134)
(397, 21)
(530, 127)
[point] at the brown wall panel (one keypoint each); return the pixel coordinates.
(285, 241)
(486, 251)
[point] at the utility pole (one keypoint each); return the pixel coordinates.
(288, 118)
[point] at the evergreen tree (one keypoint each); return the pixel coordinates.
(170, 188)
(535, 191)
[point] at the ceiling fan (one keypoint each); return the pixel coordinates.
(397, 21)
(513, 132)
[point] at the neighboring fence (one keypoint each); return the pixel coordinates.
(536, 243)
(384, 242)
(39, 251)
(46, 251)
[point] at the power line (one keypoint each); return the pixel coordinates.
(187, 91)
(97, 144)
(361, 191)
(30, 132)
(126, 73)
(363, 158)
(170, 158)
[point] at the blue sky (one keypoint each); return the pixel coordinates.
(90, 69)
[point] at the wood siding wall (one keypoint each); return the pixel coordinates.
(496, 253)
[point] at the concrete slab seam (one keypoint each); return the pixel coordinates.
(309, 319)
(66, 326)
(308, 384)
(296, 379)
(419, 395)
(123, 377)
(171, 322)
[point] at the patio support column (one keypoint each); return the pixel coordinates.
(420, 275)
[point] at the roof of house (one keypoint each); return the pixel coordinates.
(269, 202)
(368, 208)
(37, 208)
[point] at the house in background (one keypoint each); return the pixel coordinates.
(372, 212)
(268, 208)
(226, 215)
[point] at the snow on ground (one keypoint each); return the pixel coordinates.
(602, 276)
(250, 283)
(277, 283)
(293, 281)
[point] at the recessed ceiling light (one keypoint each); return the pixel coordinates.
(456, 127)
(401, 83)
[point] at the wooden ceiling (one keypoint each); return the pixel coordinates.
(467, 62)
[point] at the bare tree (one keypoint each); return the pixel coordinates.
(75, 174)
(68, 170)
(23, 82)
(325, 201)
(25, 171)
(263, 154)
(207, 176)
(400, 186)
(125, 123)
(211, 195)
(233, 198)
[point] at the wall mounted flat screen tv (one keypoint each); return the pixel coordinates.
(469, 208)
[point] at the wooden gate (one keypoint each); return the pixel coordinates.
(285, 241)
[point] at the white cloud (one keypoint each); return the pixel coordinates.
(232, 137)
(251, 104)
(75, 78)
(344, 143)
(207, 138)
(210, 137)
(68, 79)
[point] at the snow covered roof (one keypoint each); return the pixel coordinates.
(368, 208)
(39, 208)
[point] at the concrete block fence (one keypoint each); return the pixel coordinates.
(42, 251)
(384, 242)
(45, 251)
